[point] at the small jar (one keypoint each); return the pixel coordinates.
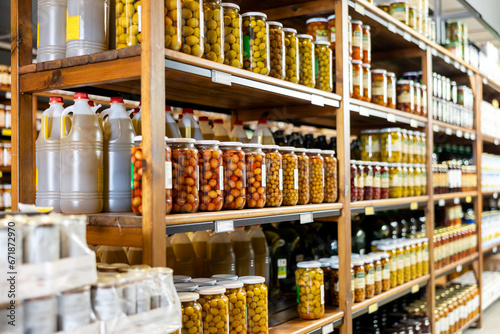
(384, 180)
(357, 40)
(367, 83)
(412, 17)
(359, 284)
(257, 303)
(316, 176)
(256, 56)
(405, 95)
(334, 284)
(214, 302)
(369, 277)
(310, 290)
(326, 267)
(377, 180)
(173, 21)
(367, 45)
(290, 175)
(317, 27)
(399, 10)
(395, 180)
(191, 313)
(360, 194)
(303, 166)
(233, 35)
(386, 271)
(214, 39)
(377, 264)
(379, 87)
(400, 253)
(407, 260)
(357, 80)
(393, 259)
(370, 145)
(233, 159)
(354, 181)
(211, 172)
(405, 178)
(237, 297)
(323, 65)
(331, 186)
(367, 181)
(277, 49)
(418, 99)
(423, 104)
(391, 145)
(331, 30)
(274, 176)
(307, 75)
(291, 55)
(256, 175)
(391, 90)
(193, 28)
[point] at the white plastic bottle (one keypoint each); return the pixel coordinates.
(51, 33)
(262, 134)
(238, 134)
(171, 128)
(261, 251)
(188, 126)
(220, 132)
(243, 252)
(205, 128)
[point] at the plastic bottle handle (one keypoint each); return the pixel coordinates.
(95, 108)
(64, 114)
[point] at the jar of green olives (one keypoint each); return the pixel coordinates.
(127, 23)
(303, 171)
(214, 39)
(391, 145)
(323, 65)
(395, 180)
(236, 294)
(256, 56)
(215, 309)
(191, 313)
(291, 55)
(193, 27)
(173, 21)
(370, 145)
(277, 49)
(306, 61)
(257, 304)
(233, 53)
(309, 281)
(316, 176)
(290, 175)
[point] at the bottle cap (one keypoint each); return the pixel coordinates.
(238, 122)
(56, 99)
(116, 99)
(218, 121)
(81, 96)
(187, 111)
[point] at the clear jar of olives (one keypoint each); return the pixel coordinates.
(405, 95)
(379, 87)
(277, 49)
(173, 28)
(255, 175)
(191, 313)
(274, 175)
(304, 177)
(307, 73)
(369, 277)
(193, 28)
(393, 260)
(391, 145)
(256, 57)
(291, 55)
(233, 35)
(233, 159)
(310, 290)
(323, 59)
(316, 176)
(395, 180)
(370, 145)
(360, 282)
(331, 186)
(357, 79)
(237, 297)
(257, 303)
(214, 38)
(290, 175)
(211, 175)
(214, 302)
(377, 264)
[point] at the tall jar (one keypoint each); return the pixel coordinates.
(395, 180)
(316, 176)
(233, 35)
(354, 181)
(357, 40)
(399, 10)
(237, 297)
(191, 313)
(393, 260)
(405, 178)
(407, 260)
(386, 270)
(214, 302)
(304, 187)
(367, 83)
(405, 95)
(391, 90)
(214, 38)
(425, 256)
(377, 264)
(417, 189)
(400, 252)
(256, 57)
(406, 146)
(418, 99)
(185, 175)
(384, 180)
(379, 87)
(360, 194)
(257, 303)
(307, 73)
(310, 290)
(255, 175)
(370, 145)
(367, 45)
(323, 65)
(417, 147)
(391, 145)
(369, 277)
(211, 171)
(411, 147)
(377, 180)
(274, 175)
(277, 49)
(423, 104)
(334, 284)
(291, 55)
(367, 181)
(233, 159)
(424, 179)
(193, 28)
(290, 175)
(331, 186)
(357, 79)
(359, 280)
(331, 31)
(128, 32)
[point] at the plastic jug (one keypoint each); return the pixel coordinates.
(200, 245)
(51, 34)
(134, 255)
(239, 134)
(185, 258)
(171, 128)
(48, 156)
(243, 252)
(261, 252)
(188, 126)
(113, 254)
(221, 259)
(118, 141)
(206, 130)
(82, 172)
(262, 135)
(219, 131)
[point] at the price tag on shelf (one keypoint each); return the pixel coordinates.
(456, 200)
(456, 64)
(364, 112)
(224, 226)
(306, 218)
(468, 199)
(466, 135)
(422, 45)
(391, 118)
(472, 136)
(317, 100)
(221, 78)
(327, 329)
(435, 128)
(459, 268)
(369, 210)
(372, 308)
(413, 123)
(441, 202)
(485, 81)
(434, 52)
(495, 195)
(407, 36)
(496, 142)
(391, 27)
(448, 131)
(459, 133)
(415, 288)
(359, 8)
(470, 73)
(463, 69)
(447, 59)
(413, 205)
(495, 249)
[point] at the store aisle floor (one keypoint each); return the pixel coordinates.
(490, 322)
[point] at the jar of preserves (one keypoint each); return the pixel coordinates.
(399, 10)
(185, 175)
(233, 159)
(291, 55)
(377, 180)
(405, 95)
(354, 181)
(237, 297)
(391, 145)
(379, 87)
(384, 180)
(257, 303)
(334, 284)
(317, 27)
(412, 17)
(417, 180)
(303, 166)
(277, 49)
(405, 146)
(214, 39)
(370, 145)
(367, 83)
(324, 71)
(407, 260)
(400, 253)
(369, 277)
(173, 21)
(137, 172)
(331, 186)
(357, 79)
(310, 290)
(193, 28)
(256, 175)
(191, 313)
(419, 260)
(417, 147)
(367, 181)
(405, 178)
(211, 175)
(290, 175)
(411, 147)
(215, 306)
(367, 45)
(377, 264)
(274, 175)
(331, 30)
(360, 186)
(359, 283)
(423, 104)
(307, 75)
(393, 259)
(386, 270)
(395, 180)
(391, 90)
(233, 35)
(316, 176)
(357, 40)
(418, 99)
(256, 56)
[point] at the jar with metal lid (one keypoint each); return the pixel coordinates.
(274, 175)
(181, 279)
(400, 253)
(191, 313)
(367, 45)
(331, 31)
(384, 180)
(393, 260)
(405, 179)
(237, 297)
(211, 175)
(367, 83)
(419, 257)
(331, 186)
(307, 73)
(357, 79)
(255, 175)
(391, 145)
(193, 28)
(370, 145)
(357, 40)
(379, 87)
(173, 22)
(369, 276)
(316, 175)
(354, 181)
(304, 178)
(277, 49)
(233, 159)
(214, 302)
(290, 175)
(233, 35)
(310, 290)
(377, 180)
(214, 39)
(424, 179)
(405, 146)
(317, 27)
(407, 260)
(377, 264)
(360, 186)
(367, 181)
(411, 147)
(399, 10)
(291, 55)
(413, 258)
(418, 99)
(405, 95)
(257, 303)
(391, 90)
(386, 270)
(360, 283)
(185, 287)
(256, 57)
(323, 59)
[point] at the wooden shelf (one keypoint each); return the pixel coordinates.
(326, 324)
(390, 204)
(6, 169)
(490, 192)
(455, 130)
(467, 325)
(490, 247)
(453, 266)
(491, 140)
(451, 196)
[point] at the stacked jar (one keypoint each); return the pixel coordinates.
(255, 175)
(234, 164)
(310, 290)
(256, 55)
(211, 175)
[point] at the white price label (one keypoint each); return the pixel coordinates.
(391, 27)
(466, 135)
(306, 218)
(447, 59)
(472, 136)
(407, 36)
(435, 128)
(8, 95)
(391, 118)
(456, 64)
(327, 328)
(495, 249)
(280, 177)
(317, 100)
(496, 142)
(364, 112)
(441, 202)
(359, 8)
(434, 52)
(224, 226)
(221, 178)
(422, 45)
(295, 179)
(413, 123)
(459, 268)
(459, 133)
(264, 179)
(221, 78)
(448, 131)
(456, 200)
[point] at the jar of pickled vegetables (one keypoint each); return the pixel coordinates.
(370, 145)
(418, 99)
(360, 282)
(405, 95)
(386, 270)
(399, 10)
(331, 30)
(233, 35)
(257, 303)
(400, 252)
(384, 180)
(237, 297)
(274, 175)
(367, 83)
(317, 27)
(367, 45)
(391, 90)
(357, 79)
(354, 181)
(369, 277)
(304, 180)
(127, 18)
(377, 180)
(360, 186)
(307, 74)
(367, 181)
(316, 175)
(377, 264)
(214, 39)
(391, 145)
(137, 172)
(357, 40)
(290, 175)
(256, 57)
(407, 260)
(423, 107)
(291, 55)
(215, 306)
(323, 65)
(310, 290)
(233, 159)
(417, 189)
(193, 28)
(211, 172)
(277, 49)
(191, 313)
(256, 175)
(185, 175)
(173, 22)
(379, 87)
(395, 180)
(331, 186)
(405, 178)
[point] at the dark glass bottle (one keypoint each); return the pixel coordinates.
(309, 141)
(280, 138)
(296, 140)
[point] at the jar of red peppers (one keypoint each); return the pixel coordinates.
(357, 80)
(316, 176)
(367, 45)
(185, 175)
(377, 180)
(290, 175)
(303, 165)
(233, 159)
(367, 180)
(274, 188)
(211, 175)
(391, 90)
(137, 171)
(384, 180)
(256, 175)
(360, 194)
(367, 83)
(317, 27)
(331, 186)
(357, 40)
(354, 181)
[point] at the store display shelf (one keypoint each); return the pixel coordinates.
(490, 87)
(487, 139)
(491, 246)
(371, 305)
(332, 319)
(370, 207)
(455, 266)
(450, 129)
(467, 325)
(493, 193)
(5, 169)
(389, 115)
(456, 197)
(97, 99)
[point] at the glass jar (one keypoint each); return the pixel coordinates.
(367, 45)
(369, 277)
(384, 180)
(418, 99)
(419, 258)
(367, 181)
(391, 90)
(277, 49)
(214, 39)
(411, 147)
(391, 145)
(424, 179)
(419, 147)
(256, 56)
(400, 253)
(399, 10)
(303, 166)
(423, 104)
(354, 181)
(233, 35)
(357, 80)
(407, 260)
(331, 31)
(405, 95)
(359, 284)
(393, 259)
(291, 55)
(395, 180)
(405, 146)
(193, 28)
(257, 303)
(423, 148)
(256, 175)
(326, 267)
(370, 145)
(331, 186)
(191, 313)
(317, 27)
(214, 302)
(334, 284)
(377, 264)
(274, 176)
(405, 178)
(211, 172)
(412, 17)
(290, 175)
(413, 259)
(137, 172)
(307, 75)
(310, 290)
(360, 186)
(323, 65)
(377, 180)
(357, 40)
(237, 297)
(233, 159)
(316, 176)
(386, 270)
(379, 87)
(367, 83)
(417, 180)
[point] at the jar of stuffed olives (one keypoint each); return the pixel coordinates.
(370, 145)
(256, 56)
(303, 170)
(395, 180)
(391, 145)
(307, 73)
(191, 313)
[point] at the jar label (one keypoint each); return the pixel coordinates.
(395, 180)
(386, 272)
(390, 92)
(295, 179)
(360, 181)
(221, 178)
(322, 291)
(168, 174)
(411, 180)
(401, 261)
(418, 180)
(378, 88)
(368, 181)
(399, 13)
(419, 256)
(360, 280)
(405, 97)
(413, 258)
(357, 39)
(332, 34)
(322, 35)
(72, 28)
(280, 177)
(394, 263)
(378, 274)
(407, 260)
(370, 277)
(377, 180)
(356, 78)
(367, 81)
(281, 268)
(263, 171)
(385, 181)
(366, 43)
